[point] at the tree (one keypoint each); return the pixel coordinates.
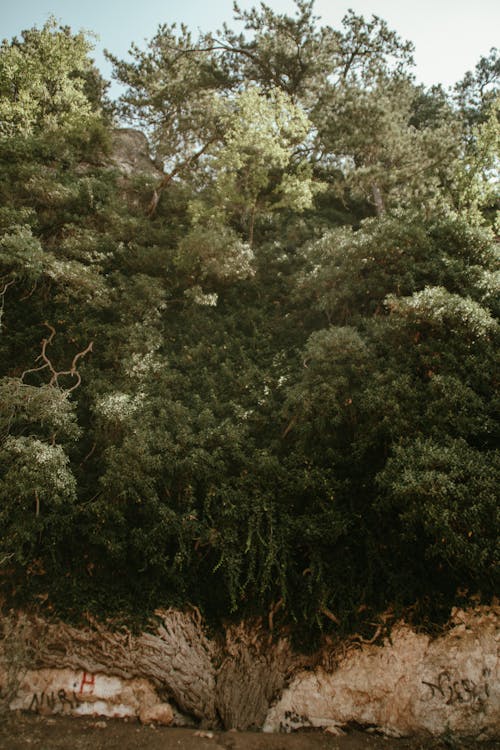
(172, 93)
(258, 167)
(44, 80)
(177, 89)
(403, 374)
(475, 184)
(38, 487)
(479, 88)
(293, 377)
(428, 484)
(388, 161)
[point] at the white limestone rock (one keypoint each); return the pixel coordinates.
(160, 713)
(64, 691)
(409, 685)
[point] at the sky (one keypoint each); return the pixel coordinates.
(449, 35)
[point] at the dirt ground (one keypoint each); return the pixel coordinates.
(30, 732)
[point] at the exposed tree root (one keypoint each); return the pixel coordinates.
(231, 681)
(252, 674)
(178, 657)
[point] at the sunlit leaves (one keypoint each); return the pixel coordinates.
(286, 392)
(258, 167)
(42, 81)
(42, 409)
(214, 252)
(37, 490)
(435, 306)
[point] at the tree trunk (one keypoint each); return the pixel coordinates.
(378, 199)
(253, 674)
(178, 657)
(251, 225)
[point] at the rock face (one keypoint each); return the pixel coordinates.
(409, 685)
(130, 153)
(64, 691)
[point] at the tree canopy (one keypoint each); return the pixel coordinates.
(260, 374)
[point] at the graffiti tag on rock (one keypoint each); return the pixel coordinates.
(459, 690)
(60, 700)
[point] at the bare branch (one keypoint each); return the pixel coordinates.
(27, 296)
(2, 298)
(56, 374)
(43, 354)
(32, 369)
(327, 613)
(289, 427)
(185, 164)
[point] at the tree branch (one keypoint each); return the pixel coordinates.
(169, 177)
(56, 374)
(2, 298)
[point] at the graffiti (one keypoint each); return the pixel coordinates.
(56, 702)
(292, 721)
(89, 680)
(460, 690)
(62, 700)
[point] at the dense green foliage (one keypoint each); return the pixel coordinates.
(268, 372)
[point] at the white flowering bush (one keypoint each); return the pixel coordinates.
(438, 307)
(199, 297)
(43, 408)
(21, 254)
(118, 406)
(215, 252)
(37, 492)
(140, 366)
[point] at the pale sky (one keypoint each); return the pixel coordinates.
(449, 35)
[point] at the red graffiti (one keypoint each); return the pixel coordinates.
(88, 679)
